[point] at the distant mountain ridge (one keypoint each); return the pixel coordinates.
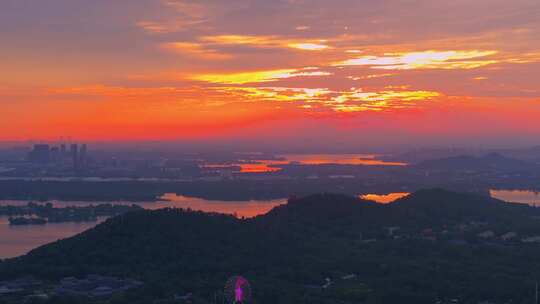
(491, 161)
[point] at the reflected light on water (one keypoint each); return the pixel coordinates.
(18, 240)
(384, 198)
(272, 165)
(529, 197)
(340, 159)
(261, 167)
(238, 208)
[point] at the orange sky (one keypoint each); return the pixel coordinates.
(376, 70)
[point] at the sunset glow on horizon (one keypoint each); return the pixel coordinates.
(347, 70)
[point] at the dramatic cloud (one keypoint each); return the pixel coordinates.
(424, 60)
(164, 67)
(260, 76)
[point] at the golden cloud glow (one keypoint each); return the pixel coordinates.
(238, 39)
(279, 93)
(213, 67)
(372, 76)
(354, 100)
(308, 46)
(255, 77)
(314, 73)
(265, 42)
(525, 58)
(424, 60)
(246, 77)
(196, 50)
(353, 108)
(359, 101)
(390, 95)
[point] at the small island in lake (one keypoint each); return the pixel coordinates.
(20, 221)
(40, 214)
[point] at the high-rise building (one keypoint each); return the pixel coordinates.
(83, 155)
(74, 151)
(54, 154)
(40, 154)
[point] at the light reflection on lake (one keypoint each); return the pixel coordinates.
(384, 198)
(340, 159)
(171, 200)
(517, 196)
(240, 208)
(18, 240)
(273, 165)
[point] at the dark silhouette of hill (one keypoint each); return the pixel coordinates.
(424, 207)
(320, 209)
(438, 206)
(488, 162)
(305, 241)
(530, 153)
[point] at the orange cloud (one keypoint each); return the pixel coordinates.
(196, 50)
(424, 60)
(258, 76)
(355, 100)
(360, 101)
(233, 64)
(309, 46)
(278, 93)
(372, 76)
(266, 41)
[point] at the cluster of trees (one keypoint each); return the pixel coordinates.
(289, 253)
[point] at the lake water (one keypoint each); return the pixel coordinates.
(340, 159)
(384, 198)
(272, 165)
(18, 240)
(517, 196)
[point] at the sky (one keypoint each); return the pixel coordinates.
(362, 72)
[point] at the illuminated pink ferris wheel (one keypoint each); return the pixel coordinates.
(237, 290)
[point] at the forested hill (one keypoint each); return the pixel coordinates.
(488, 162)
(433, 244)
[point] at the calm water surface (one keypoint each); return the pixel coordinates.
(270, 165)
(18, 240)
(384, 198)
(517, 196)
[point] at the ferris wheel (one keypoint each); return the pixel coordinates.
(237, 290)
